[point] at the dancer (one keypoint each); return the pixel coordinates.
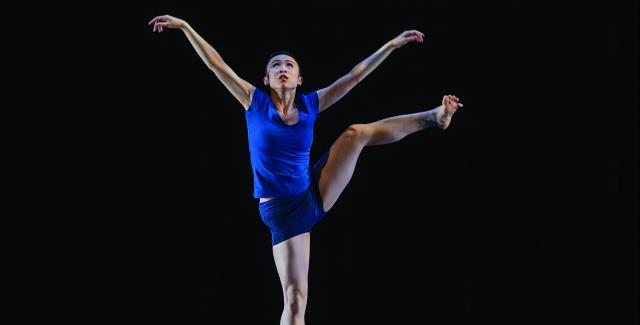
(293, 195)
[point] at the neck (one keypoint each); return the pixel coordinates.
(283, 98)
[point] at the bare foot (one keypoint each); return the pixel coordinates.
(450, 105)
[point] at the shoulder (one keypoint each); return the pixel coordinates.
(311, 100)
(257, 98)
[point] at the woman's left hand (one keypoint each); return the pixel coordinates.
(406, 37)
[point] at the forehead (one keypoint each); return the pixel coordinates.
(282, 57)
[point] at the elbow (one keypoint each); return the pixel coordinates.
(354, 77)
(215, 65)
(214, 61)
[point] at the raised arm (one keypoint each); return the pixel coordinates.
(331, 94)
(238, 87)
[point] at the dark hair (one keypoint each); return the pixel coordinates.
(266, 70)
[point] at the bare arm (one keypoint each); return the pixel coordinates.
(331, 94)
(238, 87)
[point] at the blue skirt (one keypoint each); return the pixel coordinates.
(292, 215)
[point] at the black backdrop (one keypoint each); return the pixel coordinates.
(128, 183)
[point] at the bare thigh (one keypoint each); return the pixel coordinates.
(343, 156)
(292, 262)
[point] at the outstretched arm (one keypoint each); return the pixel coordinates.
(238, 87)
(329, 95)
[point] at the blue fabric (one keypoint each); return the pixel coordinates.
(279, 152)
(292, 215)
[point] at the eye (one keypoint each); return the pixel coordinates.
(290, 65)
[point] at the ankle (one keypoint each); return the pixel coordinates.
(432, 118)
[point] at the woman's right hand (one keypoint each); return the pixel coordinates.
(160, 22)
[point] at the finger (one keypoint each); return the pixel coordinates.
(413, 33)
(408, 40)
(161, 29)
(154, 27)
(406, 34)
(154, 20)
(162, 24)
(460, 105)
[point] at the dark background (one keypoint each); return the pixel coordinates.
(128, 182)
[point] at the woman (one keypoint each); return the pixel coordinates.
(292, 195)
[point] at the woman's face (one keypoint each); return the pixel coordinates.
(283, 72)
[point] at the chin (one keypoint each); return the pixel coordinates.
(284, 86)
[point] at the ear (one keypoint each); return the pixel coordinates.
(299, 81)
(265, 80)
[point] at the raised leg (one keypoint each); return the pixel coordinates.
(344, 152)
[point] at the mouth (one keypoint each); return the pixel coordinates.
(283, 77)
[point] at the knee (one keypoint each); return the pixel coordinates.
(295, 300)
(359, 133)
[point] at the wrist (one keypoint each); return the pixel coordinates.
(389, 45)
(183, 25)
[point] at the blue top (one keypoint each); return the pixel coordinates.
(280, 152)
